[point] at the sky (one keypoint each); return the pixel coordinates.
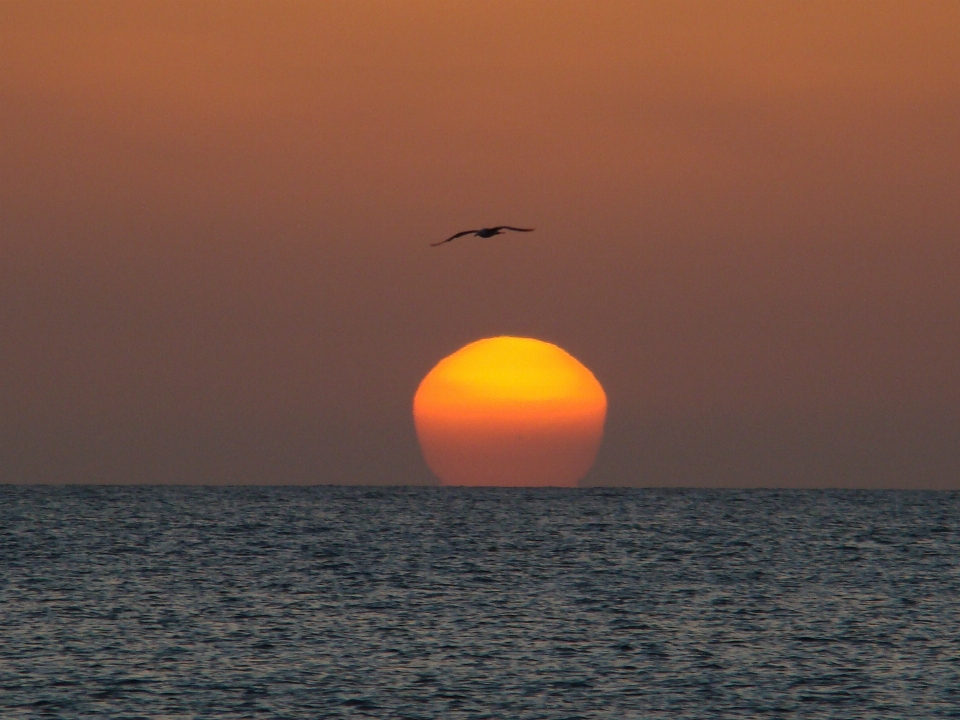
(215, 222)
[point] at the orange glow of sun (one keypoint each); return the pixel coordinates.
(510, 411)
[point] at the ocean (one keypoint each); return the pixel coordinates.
(329, 602)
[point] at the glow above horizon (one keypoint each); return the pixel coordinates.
(512, 412)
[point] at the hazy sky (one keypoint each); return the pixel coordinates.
(215, 217)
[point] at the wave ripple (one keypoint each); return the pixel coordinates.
(173, 602)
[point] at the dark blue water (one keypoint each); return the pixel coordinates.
(442, 603)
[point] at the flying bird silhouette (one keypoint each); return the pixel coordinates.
(482, 232)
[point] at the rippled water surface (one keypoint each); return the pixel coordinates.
(149, 602)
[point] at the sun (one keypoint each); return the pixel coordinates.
(510, 411)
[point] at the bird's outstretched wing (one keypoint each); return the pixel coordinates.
(507, 227)
(453, 237)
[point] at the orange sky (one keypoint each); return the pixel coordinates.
(214, 261)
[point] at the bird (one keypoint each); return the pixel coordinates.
(482, 232)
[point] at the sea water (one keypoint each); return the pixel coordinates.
(323, 602)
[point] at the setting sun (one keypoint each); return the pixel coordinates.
(512, 412)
